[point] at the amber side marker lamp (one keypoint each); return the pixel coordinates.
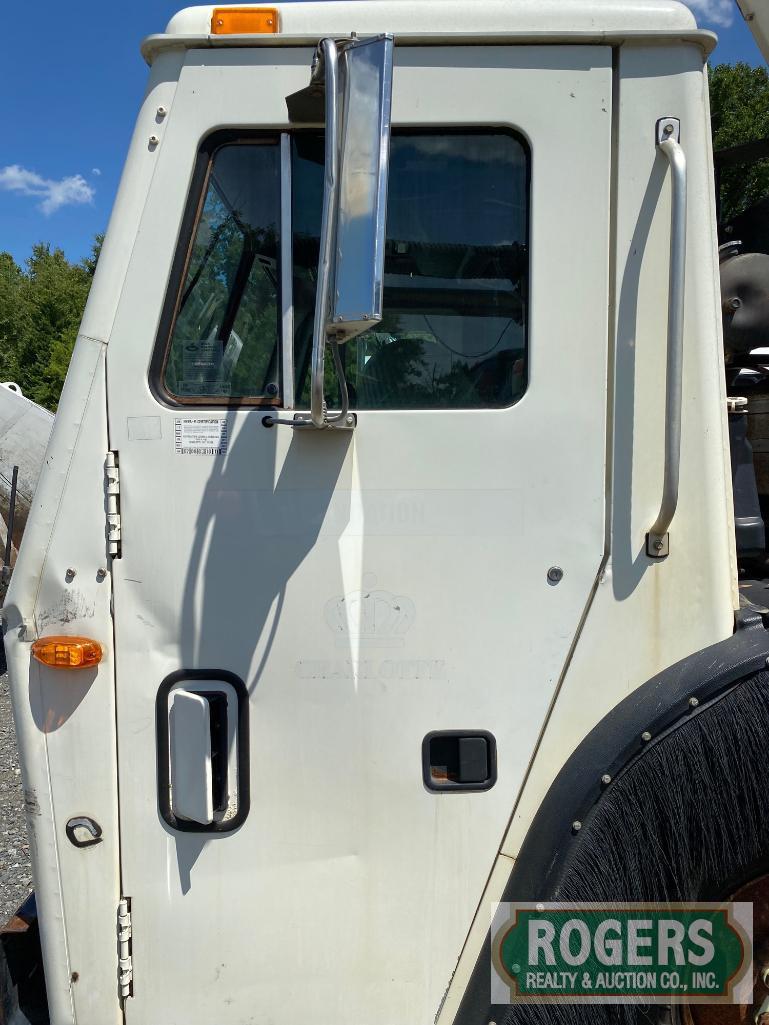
(244, 21)
(67, 652)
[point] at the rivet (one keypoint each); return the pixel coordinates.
(70, 573)
(162, 111)
(693, 702)
(606, 779)
(154, 140)
(576, 826)
(646, 736)
(554, 575)
(540, 907)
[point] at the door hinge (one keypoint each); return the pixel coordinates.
(125, 958)
(112, 486)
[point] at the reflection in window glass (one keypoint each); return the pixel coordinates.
(225, 339)
(454, 327)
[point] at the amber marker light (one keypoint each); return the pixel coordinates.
(244, 21)
(67, 652)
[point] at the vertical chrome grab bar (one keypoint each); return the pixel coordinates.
(327, 235)
(668, 132)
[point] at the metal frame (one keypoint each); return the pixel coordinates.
(328, 49)
(668, 135)
(286, 274)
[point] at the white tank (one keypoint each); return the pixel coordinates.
(24, 431)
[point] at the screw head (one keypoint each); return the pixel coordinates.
(554, 575)
(350, 419)
(70, 573)
(154, 140)
(693, 702)
(606, 779)
(658, 546)
(101, 573)
(161, 111)
(668, 129)
(576, 826)
(646, 736)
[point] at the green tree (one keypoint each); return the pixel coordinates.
(41, 306)
(739, 113)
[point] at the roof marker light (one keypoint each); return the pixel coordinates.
(236, 21)
(67, 652)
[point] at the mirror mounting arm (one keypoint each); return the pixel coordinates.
(354, 78)
(326, 62)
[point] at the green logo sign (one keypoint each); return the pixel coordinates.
(653, 953)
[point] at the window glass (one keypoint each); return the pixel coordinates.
(225, 339)
(454, 328)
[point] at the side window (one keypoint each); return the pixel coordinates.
(456, 265)
(454, 333)
(224, 341)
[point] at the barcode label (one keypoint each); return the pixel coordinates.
(200, 436)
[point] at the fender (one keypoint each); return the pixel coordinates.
(561, 833)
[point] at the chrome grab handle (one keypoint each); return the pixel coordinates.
(668, 132)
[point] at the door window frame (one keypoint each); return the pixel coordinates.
(193, 210)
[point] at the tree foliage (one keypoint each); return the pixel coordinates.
(739, 113)
(41, 305)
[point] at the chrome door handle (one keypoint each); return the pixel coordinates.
(668, 132)
(202, 722)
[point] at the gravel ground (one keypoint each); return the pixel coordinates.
(15, 869)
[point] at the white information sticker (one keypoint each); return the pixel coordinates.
(200, 436)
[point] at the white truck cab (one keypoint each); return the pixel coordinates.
(349, 585)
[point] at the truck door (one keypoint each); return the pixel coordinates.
(335, 649)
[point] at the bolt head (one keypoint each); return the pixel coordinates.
(646, 736)
(658, 546)
(606, 779)
(154, 140)
(554, 575)
(161, 111)
(70, 573)
(693, 702)
(668, 129)
(576, 826)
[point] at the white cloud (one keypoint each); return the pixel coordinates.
(713, 12)
(53, 194)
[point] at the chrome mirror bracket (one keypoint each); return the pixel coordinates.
(302, 421)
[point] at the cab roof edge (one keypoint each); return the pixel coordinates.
(706, 40)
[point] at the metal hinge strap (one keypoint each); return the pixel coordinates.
(112, 485)
(125, 960)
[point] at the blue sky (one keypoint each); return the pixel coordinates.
(72, 98)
